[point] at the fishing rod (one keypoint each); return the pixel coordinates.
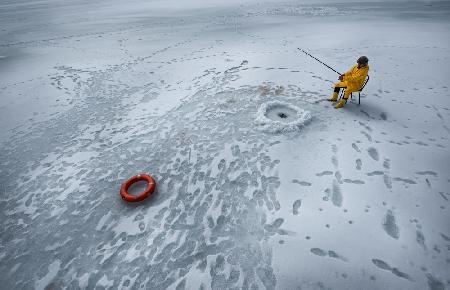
(320, 61)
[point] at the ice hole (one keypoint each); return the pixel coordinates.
(137, 187)
(281, 113)
(277, 116)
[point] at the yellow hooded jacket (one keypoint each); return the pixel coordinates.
(355, 77)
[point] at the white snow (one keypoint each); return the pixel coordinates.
(93, 92)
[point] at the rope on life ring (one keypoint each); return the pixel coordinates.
(151, 185)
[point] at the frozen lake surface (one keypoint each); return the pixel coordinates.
(93, 92)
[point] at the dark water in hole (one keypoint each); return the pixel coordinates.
(281, 113)
(137, 187)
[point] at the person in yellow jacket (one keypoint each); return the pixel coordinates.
(352, 80)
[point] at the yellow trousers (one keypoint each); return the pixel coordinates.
(341, 85)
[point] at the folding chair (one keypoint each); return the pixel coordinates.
(359, 91)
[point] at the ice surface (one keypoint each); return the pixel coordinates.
(94, 92)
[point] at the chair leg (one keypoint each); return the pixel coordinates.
(359, 98)
(351, 95)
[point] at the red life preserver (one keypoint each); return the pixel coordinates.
(142, 195)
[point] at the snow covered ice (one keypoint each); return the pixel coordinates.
(93, 92)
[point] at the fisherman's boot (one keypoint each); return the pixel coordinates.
(341, 103)
(334, 97)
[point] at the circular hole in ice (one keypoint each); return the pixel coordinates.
(281, 113)
(276, 116)
(137, 187)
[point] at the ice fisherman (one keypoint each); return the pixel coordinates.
(352, 80)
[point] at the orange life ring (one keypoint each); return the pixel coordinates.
(142, 195)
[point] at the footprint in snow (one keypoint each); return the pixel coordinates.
(385, 266)
(330, 253)
(274, 227)
(354, 146)
(354, 181)
(373, 153)
(390, 225)
(427, 173)
(302, 183)
(358, 164)
(336, 195)
(373, 173)
(369, 138)
(334, 161)
(338, 176)
(443, 195)
(296, 206)
(387, 181)
(405, 180)
(334, 148)
(367, 127)
(386, 164)
(324, 173)
(420, 238)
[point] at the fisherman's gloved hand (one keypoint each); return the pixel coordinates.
(341, 78)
